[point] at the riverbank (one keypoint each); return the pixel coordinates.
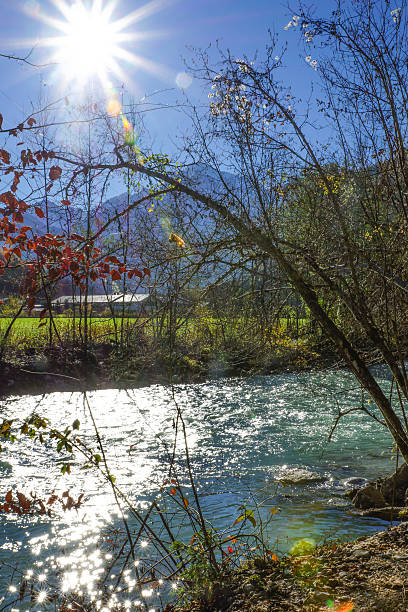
(368, 575)
(105, 368)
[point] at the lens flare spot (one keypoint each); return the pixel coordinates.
(32, 8)
(114, 107)
(303, 547)
(183, 80)
(348, 606)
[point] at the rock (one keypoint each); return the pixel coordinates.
(394, 488)
(369, 497)
(388, 513)
(318, 597)
(355, 482)
(360, 554)
(297, 476)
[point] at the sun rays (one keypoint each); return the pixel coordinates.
(85, 43)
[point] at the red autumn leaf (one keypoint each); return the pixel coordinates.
(23, 501)
(113, 259)
(9, 496)
(1, 121)
(230, 549)
(49, 187)
(115, 275)
(173, 491)
(18, 217)
(77, 237)
(146, 272)
(55, 173)
(4, 156)
(66, 202)
(31, 121)
(39, 212)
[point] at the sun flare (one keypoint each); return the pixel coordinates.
(88, 44)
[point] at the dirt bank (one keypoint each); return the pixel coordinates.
(368, 575)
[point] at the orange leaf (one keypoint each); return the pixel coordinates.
(31, 121)
(9, 496)
(173, 491)
(55, 173)
(175, 238)
(39, 212)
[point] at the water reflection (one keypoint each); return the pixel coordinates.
(242, 436)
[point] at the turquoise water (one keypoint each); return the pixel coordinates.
(244, 437)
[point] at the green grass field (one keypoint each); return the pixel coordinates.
(28, 331)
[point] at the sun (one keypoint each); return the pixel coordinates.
(88, 45)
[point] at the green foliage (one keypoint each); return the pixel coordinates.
(11, 306)
(198, 572)
(247, 514)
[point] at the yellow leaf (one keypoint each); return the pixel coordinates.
(273, 510)
(175, 238)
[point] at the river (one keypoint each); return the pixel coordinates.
(245, 435)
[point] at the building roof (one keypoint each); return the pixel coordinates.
(102, 299)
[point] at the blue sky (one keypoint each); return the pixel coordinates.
(238, 25)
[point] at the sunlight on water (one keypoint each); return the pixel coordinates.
(264, 437)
